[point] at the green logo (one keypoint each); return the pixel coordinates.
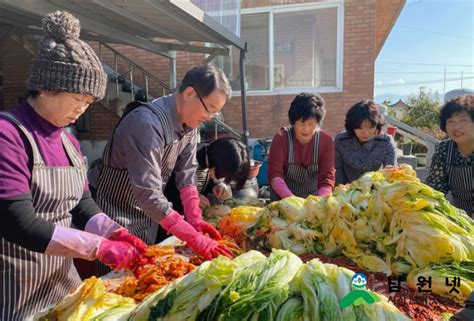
(360, 294)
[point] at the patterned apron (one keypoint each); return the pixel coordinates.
(461, 182)
(300, 180)
(203, 179)
(114, 191)
(32, 281)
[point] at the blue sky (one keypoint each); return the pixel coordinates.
(429, 37)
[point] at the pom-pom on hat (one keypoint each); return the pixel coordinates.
(64, 62)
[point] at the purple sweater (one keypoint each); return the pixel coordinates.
(16, 155)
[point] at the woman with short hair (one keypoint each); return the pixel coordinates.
(452, 165)
(363, 147)
(301, 159)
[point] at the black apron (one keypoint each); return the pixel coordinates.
(460, 181)
(32, 281)
(300, 180)
(114, 191)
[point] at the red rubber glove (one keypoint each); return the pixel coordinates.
(207, 228)
(190, 199)
(101, 224)
(118, 255)
(123, 235)
(203, 245)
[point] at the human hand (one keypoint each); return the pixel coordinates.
(209, 248)
(101, 224)
(222, 191)
(201, 244)
(123, 235)
(279, 187)
(206, 228)
(190, 198)
(118, 255)
(203, 202)
(324, 191)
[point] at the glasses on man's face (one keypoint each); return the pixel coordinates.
(208, 112)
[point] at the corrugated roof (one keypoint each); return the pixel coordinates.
(137, 23)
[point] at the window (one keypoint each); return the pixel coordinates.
(305, 43)
(291, 49)
(226, 12)
(257, 60)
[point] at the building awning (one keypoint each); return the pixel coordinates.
(162, 27)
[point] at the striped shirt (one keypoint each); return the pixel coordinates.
(354, 159)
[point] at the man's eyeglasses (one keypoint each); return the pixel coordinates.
(208, 112)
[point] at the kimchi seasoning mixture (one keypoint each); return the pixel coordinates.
(157, 268)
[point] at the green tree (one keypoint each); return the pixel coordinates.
(423, 111)
(390, 111)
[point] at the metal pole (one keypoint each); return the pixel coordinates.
(461, 77)
(146, 87)
(132, 92)
(116, 75)
(173, 82)
(243, 99)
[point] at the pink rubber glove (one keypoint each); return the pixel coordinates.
(101, 224)
(118, 255)
(324, 191)
(279, 186)
(124, 236)
(203, 245)
(190, 199)
(69, 242)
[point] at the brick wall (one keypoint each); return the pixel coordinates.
(265, 114)
(15, 63)
(102, 121)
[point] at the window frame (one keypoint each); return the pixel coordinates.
(271, 10)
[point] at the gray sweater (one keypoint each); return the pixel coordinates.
(354, 159)
(139, 146)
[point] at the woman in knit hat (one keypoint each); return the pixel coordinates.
(43, 187)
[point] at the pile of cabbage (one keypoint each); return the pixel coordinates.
(254, 287)
(250, 287)
(386, 221)
(91, 301)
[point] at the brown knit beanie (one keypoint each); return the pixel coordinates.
(64, 62)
